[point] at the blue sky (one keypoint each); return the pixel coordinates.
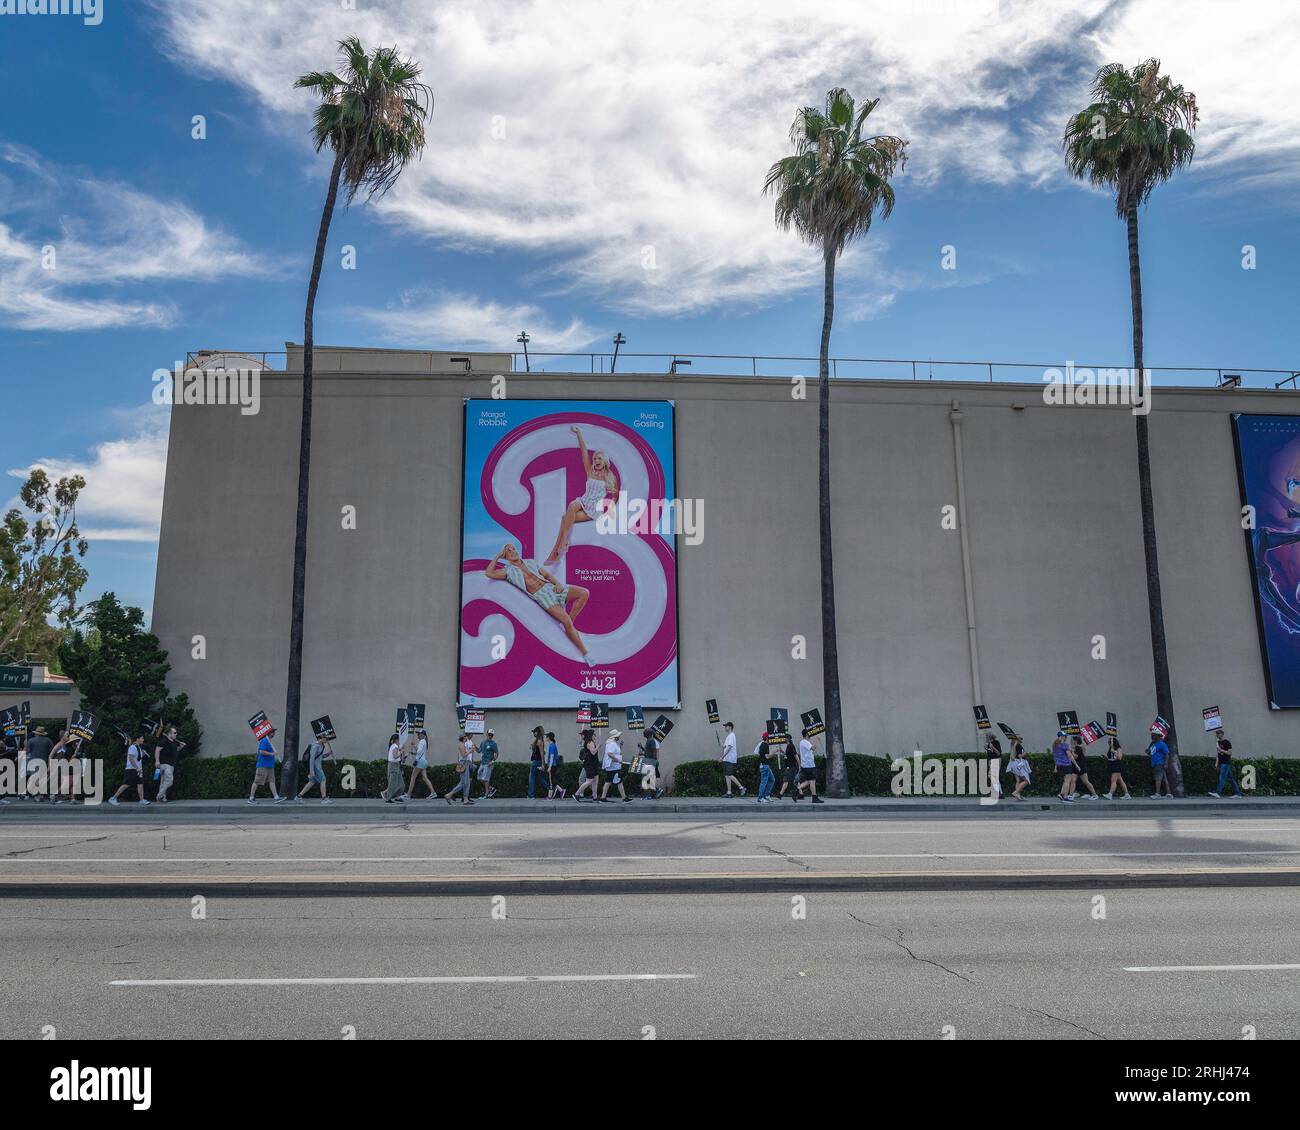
(570, 137)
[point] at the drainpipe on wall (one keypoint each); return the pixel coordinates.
(955, 418)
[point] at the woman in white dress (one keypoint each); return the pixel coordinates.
(601, 484)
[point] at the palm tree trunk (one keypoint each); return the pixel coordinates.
(1155, 607)
(837, 781)
(293, 696)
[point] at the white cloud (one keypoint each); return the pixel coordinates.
(461, 321)
(109, 236)
(124, 477)
(612, 137)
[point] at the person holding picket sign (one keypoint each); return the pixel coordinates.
(264, 772)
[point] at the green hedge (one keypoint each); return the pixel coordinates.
(872, 775)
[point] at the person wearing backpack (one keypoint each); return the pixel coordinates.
(313, 755)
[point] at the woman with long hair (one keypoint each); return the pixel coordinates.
(602, 483)
(421, 770)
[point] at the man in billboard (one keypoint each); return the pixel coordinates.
(548, 593)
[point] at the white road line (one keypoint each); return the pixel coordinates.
(1203, 968)
(519, 980)
(937, 855)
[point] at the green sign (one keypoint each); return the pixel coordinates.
(15, 678)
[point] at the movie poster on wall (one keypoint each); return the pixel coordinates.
(1268, 470)
(569, 568)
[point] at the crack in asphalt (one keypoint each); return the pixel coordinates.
(47, 847)
(898, 941)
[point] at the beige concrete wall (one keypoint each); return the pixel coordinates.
(1053, 525)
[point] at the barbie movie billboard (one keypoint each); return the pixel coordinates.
(568, 562)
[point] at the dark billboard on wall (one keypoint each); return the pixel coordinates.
(569, 563)
(1268, 469)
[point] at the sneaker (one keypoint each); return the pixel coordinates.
(251, 800)
(1019, 797)
(1109, 797)
(114, 801)
(1089, 796)
(818, 800)
(794, 797)
(1216, 796)
(278, 800)
(466, 802)
(298, 800)
(146, 802)
(1127, 796)
(627, 800)
(326, 800)
(743, 790)
(1235, 796)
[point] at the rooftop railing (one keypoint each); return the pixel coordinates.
(783, 366)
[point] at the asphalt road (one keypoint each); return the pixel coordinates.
(48, 847)
(1018, 965)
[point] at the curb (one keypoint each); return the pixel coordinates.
(379, 887)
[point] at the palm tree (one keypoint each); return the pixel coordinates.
(372, 117)
(1136, 134)
(829, 190)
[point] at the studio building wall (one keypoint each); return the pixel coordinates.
(1053, 554)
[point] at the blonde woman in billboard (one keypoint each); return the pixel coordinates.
(601, 484)
(548, 593)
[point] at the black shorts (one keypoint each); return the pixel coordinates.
(611, 776)
(729, 768)
(132, 778)
(790, 776)
(807, 774)
(1064, 771)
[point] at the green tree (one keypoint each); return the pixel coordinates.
(829, 190)
(372, 117)
(121, 674)
(41, 574)
(1134, 135)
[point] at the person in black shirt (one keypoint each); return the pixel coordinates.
(590, 766)
(165, 756)
(1115, 763)
(1081, 760)
(1223, 759)
(791, 774)
(993, 751)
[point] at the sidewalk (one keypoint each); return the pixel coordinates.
(901, 807)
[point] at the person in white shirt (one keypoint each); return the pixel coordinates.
(394, 793)
(808, 768)
(729, 760)
(134, 778)
(612, 766)
(421, 770)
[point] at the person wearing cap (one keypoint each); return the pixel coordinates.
(554, 791)
(536, 760)
(1158, 751)
(612, 766)
(1064, 766)
(420, 770)
(728, 760)
(766, 778)
(1223, 759)
(487, 753)
(264, 773)
(590, 756)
